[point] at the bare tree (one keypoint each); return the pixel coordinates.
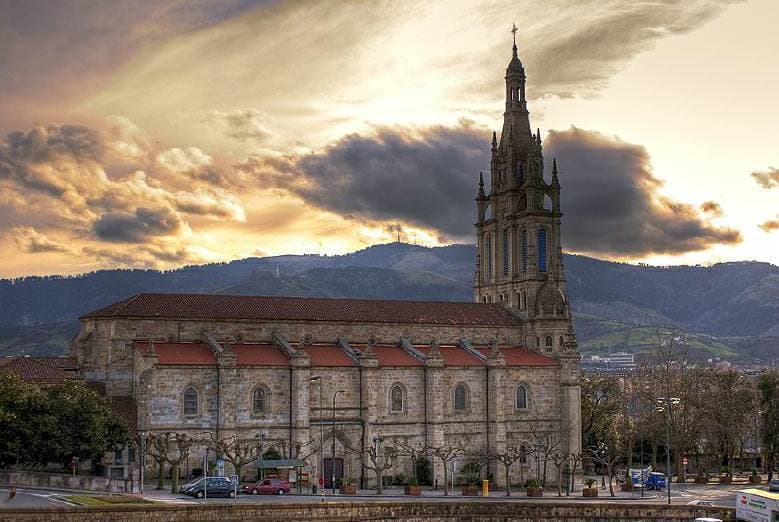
(238, 452)
(409, 449)
(507, 458)
(546, 444)
(156, 445)
(179, 445)
(574, 459)
(446, 454)
(379, 459)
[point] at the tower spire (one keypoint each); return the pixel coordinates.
(555, 180)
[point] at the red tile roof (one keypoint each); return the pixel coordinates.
(519, 356)
(179, 353)
(259, 355)
(454, 356)
(392, 355)
(327, 355)
(262, 308)
(63, 362)
(36, 370)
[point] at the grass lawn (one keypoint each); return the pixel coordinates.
(106, 500)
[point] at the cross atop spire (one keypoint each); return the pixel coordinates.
(514, 32)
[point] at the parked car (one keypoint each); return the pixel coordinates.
(656, 481)
(773, 485)
(268, 487)
(217, 487)
(700, 503)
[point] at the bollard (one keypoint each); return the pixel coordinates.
(485, 488)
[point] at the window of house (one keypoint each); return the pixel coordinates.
(460, 398)
(549, 341)
(542, 249)
(190, 401)
(538, 342)
(521, 397)
(260, 400)
(561, 340)
(118, 457)
(396, 399)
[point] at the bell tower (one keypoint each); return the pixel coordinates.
(519, 259)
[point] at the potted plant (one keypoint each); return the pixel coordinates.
(754, 478)
(534, 489)
(471, 480)
(591, 490)
(413, 488)
(348, 486)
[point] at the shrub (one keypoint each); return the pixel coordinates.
(412, 482)
(424, 471)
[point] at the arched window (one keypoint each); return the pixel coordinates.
(521, 400)
(260, 399)
(549, 341)
(542, 249)
(460, 398)
(538, 342)
(190, 401)
(523, 454)
(561, 340)
(524, 250)
(488, 256)
(505, 251)
(396, 399)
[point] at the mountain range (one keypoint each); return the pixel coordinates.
(728, 310)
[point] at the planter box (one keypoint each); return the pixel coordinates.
(755, 479)
(725, 479)
(414, 491)
(701, 480)
(535, 492)
(348, 489)
(470, 491)
(590, 492)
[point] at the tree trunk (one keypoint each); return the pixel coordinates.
(380, 483)
(446, 479)
(654, 456)
(174, 477)
(560, 481)
(160, 472)
(508, 479)
(610, 471)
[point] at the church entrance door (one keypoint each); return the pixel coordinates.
(339, 472)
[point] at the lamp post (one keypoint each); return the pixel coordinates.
(318, 379)
(666, 405)
(260, 439)
(332, 455)
(377, 450)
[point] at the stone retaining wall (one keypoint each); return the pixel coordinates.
(66, 481)
(478, 511)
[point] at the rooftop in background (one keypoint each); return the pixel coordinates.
(271, 308)
(40, 370)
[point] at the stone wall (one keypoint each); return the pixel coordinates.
(475, 511)
(67, 481)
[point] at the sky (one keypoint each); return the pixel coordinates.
(154, 134)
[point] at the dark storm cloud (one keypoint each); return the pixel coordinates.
(21, 152)
(422, 177)
(768, 179)
(712, 208)
(137, 227)
(611, 202)
(428, 178)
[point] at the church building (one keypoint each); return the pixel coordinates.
(324, 379)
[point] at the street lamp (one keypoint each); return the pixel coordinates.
(669, 401)
(332, 455)
(260, 439)
(318, 379)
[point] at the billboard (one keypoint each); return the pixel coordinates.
(754, 505)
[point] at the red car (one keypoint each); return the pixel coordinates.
(268, 487)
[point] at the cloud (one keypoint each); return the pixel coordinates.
(712, 208)
(245, 125)
(612, 203)
(768, 179)
(770, 225)
(424, 177)
(137, 227)
(31, 241)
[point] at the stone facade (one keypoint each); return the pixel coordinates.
(195, 364)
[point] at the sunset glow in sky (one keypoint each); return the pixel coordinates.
(158, 134)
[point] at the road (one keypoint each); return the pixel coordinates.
(30, 498)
